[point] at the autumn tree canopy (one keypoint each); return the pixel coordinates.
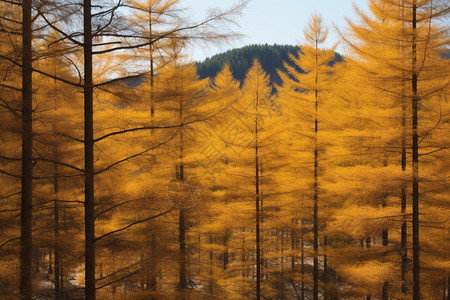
(284, 172)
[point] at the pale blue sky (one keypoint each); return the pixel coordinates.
(276, 21)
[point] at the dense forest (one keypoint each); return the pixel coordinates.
(240, 60)
(266, 172)
(271, 57)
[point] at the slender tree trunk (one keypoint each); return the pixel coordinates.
(258, 245)
(385, 242)
(182, 244)
(404, 236)
(61, 277)
(182, 216)
(243, 255)
(89, 225)
(211, 273)
(153, 261)
(152, 64)
(153, 266)
(404, 233)
(50, 260)
(415, 163)
(282, 265)
(56, 233)
(316, 187)
(26, 214)
(293, 246)
(225, 251)
(325, 270)
(302, 260)
(61, 257)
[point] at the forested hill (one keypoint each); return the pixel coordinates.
(240, 60)
(271, 58)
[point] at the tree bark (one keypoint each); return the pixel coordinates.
(182, 217)
(153, 267)
(257, 209)
(404, 241)
(26, 214)
(415, 161)
(225, 251)
(316, 186)
(302, 260)
(182, 242)
(88, 156)
(404, 233)
(56, 233)
(325, 270)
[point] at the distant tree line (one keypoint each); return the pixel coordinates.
(241, 59)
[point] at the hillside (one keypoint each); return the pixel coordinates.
(271, 58)
(240, 60)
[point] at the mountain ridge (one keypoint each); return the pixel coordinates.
(240, 60)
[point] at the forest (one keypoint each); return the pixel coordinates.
(127, 171)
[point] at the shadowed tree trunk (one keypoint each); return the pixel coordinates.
(182, 215)
(88, 156)
(404, 241)
(316, 197)
(258, 242)
(404, 235)
(415, 160)
(56, 224)
(27, 157)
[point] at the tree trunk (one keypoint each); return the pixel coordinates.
(316, 197)
(293, 246)
(50, 260)
(404, 236)
(385, 242)
(153, 267)
(415, 162)
(89, 225)
(282, 265)
(225, 251)
(26, 214)
(325, 270)
(243, 256)
(211, 273)
(181, 223)
(56, 233)
(258, 245)
(182, 243)
(302, 261)
(404, 233)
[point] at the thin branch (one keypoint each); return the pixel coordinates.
(120, 279)
(10, 195)
(111, 208)
(9, 241)
(60, 163)
(134, 224)
(135, 155)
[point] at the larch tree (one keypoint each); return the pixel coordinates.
(10, 170)
(27, 156)
(246, 147)
(309, 86)
(104, 22)
(415, 41)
